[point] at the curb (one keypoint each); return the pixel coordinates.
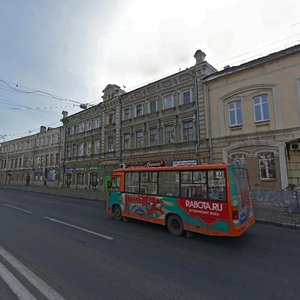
(285, 225)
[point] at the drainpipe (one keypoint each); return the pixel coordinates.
(198, 135)
(206, 96)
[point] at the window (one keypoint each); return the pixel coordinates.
(57, 158)
(148, 183)
(97, 146)
(47, 160)
(111, 118)
(97, 123)
(193, 184)
(81, 127)
(153, 106)
(20, 162)
(89, 125)
(153, 136)
(139, 139)
(80, 178)
(139, 110)
(51, 159)
(68, 151)
(261, 108)
(169, 134)
(266, 163)
(126, 114)
(235, 113)
(81, 149)
(126, 141)
(132, 182)
(187, 131)
(216, 185)
(75, 153)
(186, 97)
(76, 128)
(169, 183)
(168, 102)
(110, 144)
(239, 159)
(115, 184)
(89, 148)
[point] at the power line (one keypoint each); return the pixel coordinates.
(2, 136)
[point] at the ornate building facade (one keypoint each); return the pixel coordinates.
(254, 118)
(33, 159)
(248, 114)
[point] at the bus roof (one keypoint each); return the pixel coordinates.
(172, 168)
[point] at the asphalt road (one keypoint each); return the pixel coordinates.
(82, 253)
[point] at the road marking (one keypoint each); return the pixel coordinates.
(15, 207)
(37, 282)
(14, 284)
(80, 228)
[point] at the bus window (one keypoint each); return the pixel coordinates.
(114, 185)
(217, 185)
(193, 184)
(132, 182)
(169, 183)
(148, 183)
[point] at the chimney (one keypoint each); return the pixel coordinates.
(65, 114)
(42, 129)
(199, 56)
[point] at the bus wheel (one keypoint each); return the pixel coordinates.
(117, 212)
(174, 225)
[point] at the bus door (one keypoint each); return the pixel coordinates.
(114, 191)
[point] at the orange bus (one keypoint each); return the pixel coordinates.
(207, 199)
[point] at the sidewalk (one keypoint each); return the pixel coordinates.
(264, 214)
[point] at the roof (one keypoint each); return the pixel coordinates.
(253, 63)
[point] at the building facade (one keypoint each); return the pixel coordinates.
(33, 159)
(248, 114)
(254, 118)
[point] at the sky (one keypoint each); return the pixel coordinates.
(57, 54)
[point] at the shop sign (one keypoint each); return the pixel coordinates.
(184, 162)
(80, 169)
(154, 164)
(68, 169)
(92, 168)
(143, 164)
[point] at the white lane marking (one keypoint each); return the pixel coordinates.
(80, 228)
(37, 282)
(14, 284)
(19, 208)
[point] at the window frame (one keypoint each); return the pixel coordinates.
(236, 110)
(189, 130)
(168, 138)
(261, 106)
(166, 100)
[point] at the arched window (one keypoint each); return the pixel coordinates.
(266, 163)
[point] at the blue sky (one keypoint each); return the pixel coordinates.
(72, 49)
